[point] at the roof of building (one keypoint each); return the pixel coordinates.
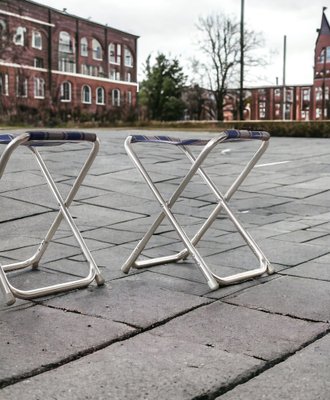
(325, 27)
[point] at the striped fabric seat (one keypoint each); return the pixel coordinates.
(232, 135)
(47, 138)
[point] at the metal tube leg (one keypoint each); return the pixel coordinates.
(9, 297)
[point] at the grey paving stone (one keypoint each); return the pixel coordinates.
(311, 269)
(39, 336)
(242, 330)
(17, 209)
(133, 301)
(302, 298)
(304, 376)
(146, 367)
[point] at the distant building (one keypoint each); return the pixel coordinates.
(292, 102)
(56, 63)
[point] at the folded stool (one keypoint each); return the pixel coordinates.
(32, 141)
(212, 279)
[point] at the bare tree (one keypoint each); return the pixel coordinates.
(219, 42)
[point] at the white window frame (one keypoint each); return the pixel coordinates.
(19, 36)
(128, 58)
(83, 92)
(100, 93)
(4, 84)
(36, 40)
(24, 82)
(115, 96)
(129, 97)
(97, 50)
(65, 43)
(64, 92)
(115, 53)
(39, 88)
(84, 47)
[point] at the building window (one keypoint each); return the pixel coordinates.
(86, 94)
(4, 84)
(318, 93)
(65, 44)
(262, 109)
(128, 77)
(21, 86)
(38, 62)
(116, 97)
(115, 53)
(114, 74)
(326, 52)
(36, 40)
(19, 36)
(128, 58)
(97, 50)
(306, 94)
(84, 47)
(129, 97)
(100, 95)
(39, 88)
(66, 65)
(66, 91)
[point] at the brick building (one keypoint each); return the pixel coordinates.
(292, 102)
(55, 63)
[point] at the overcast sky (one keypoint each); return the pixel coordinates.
(169, 26)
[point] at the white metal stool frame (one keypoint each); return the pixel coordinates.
(32, 140)
(213, 280)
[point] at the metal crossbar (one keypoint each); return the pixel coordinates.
(213, 280)
(33, 140)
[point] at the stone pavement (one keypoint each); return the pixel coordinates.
(161, 333)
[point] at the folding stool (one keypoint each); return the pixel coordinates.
(32, 140)
(213, 279)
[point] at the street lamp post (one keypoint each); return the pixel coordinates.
(241, 94)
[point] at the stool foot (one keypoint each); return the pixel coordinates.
(99, 280)
(10, 299)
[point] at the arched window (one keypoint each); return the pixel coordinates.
(86, 95)
(36, 40)
(19, 36)
(84, 47)
(66, 91)
(324, 52)
(65, 44)
(128, 57)
(97, 50)
(3, 30)
(100, 95)
(116, 97)
(114, 53)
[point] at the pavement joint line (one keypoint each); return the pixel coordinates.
(258, 371)
(82, 353)
(227, 301)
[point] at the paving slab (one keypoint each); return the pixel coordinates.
(298, 297)
(304, 376)
(169, 367)
(53, 336)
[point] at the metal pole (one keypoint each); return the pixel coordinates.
(241, 94)
(324, 49)
(284, 70)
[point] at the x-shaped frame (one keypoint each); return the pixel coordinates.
(213, 280)
(33, 140)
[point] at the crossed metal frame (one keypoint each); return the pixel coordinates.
(32, 140)
(213, 280)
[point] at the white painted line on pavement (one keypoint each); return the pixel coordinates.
(270, 164)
